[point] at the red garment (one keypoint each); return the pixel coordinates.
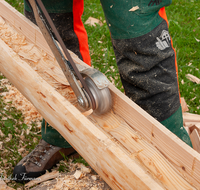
(78, 7)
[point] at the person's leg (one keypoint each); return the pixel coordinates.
(146, 60)
(50, 149)
(64, 23)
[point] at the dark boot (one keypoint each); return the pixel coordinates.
(42, 158)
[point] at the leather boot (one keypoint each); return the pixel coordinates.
(42, 158)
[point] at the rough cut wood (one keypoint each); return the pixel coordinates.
(195, 140)
(194, 126)
(149, 158)
(184, 105)
(42, 178)
(3, 186)
(190, 117)
(193, 78)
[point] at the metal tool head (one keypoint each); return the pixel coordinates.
(94, 92)
(103, 99)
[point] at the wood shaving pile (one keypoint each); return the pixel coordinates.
(38, 60)
(3, 186)
(45, 65)
(18, 101)
(79, 177)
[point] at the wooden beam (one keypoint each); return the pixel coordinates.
(195, 140)
(127, 147)
(107, 158)
(190, 117)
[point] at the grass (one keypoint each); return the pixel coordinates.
(101, 51)
(185, 31)
(13, 136)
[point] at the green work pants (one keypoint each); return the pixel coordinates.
(145, 58)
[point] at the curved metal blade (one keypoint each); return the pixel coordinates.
(102, 97)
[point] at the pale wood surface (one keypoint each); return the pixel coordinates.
(193, 78)
(144, 151)
(188, 130)
(110, 150)
(195, 126)
(190, 123)
(184, 105)
(3, 186)
(195, 140)
(190, 117)
(42, 178)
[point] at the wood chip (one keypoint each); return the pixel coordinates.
(189, 117)
(193, 78)
(195, 140)
(21, 103)
(1, 133)
(3, 186)
(84, 169)
(93, 21)
(21, 150)
(93, 188)
(78, 174)
(184, 105)
(197, 40)
(2, 21)
(134, 8)
(59, 185)
(190, 123)
(43, 178)
(94, 177)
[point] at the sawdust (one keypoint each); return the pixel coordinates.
(17, 100)
(87, 180)
(46, 66)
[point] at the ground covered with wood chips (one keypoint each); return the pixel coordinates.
(69, 174)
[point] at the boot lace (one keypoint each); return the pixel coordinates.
(38, 154)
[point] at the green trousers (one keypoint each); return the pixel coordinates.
(144, 54)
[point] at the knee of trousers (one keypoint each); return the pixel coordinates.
(147, 67)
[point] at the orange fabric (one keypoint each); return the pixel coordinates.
(163, 15)
(80, 30)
